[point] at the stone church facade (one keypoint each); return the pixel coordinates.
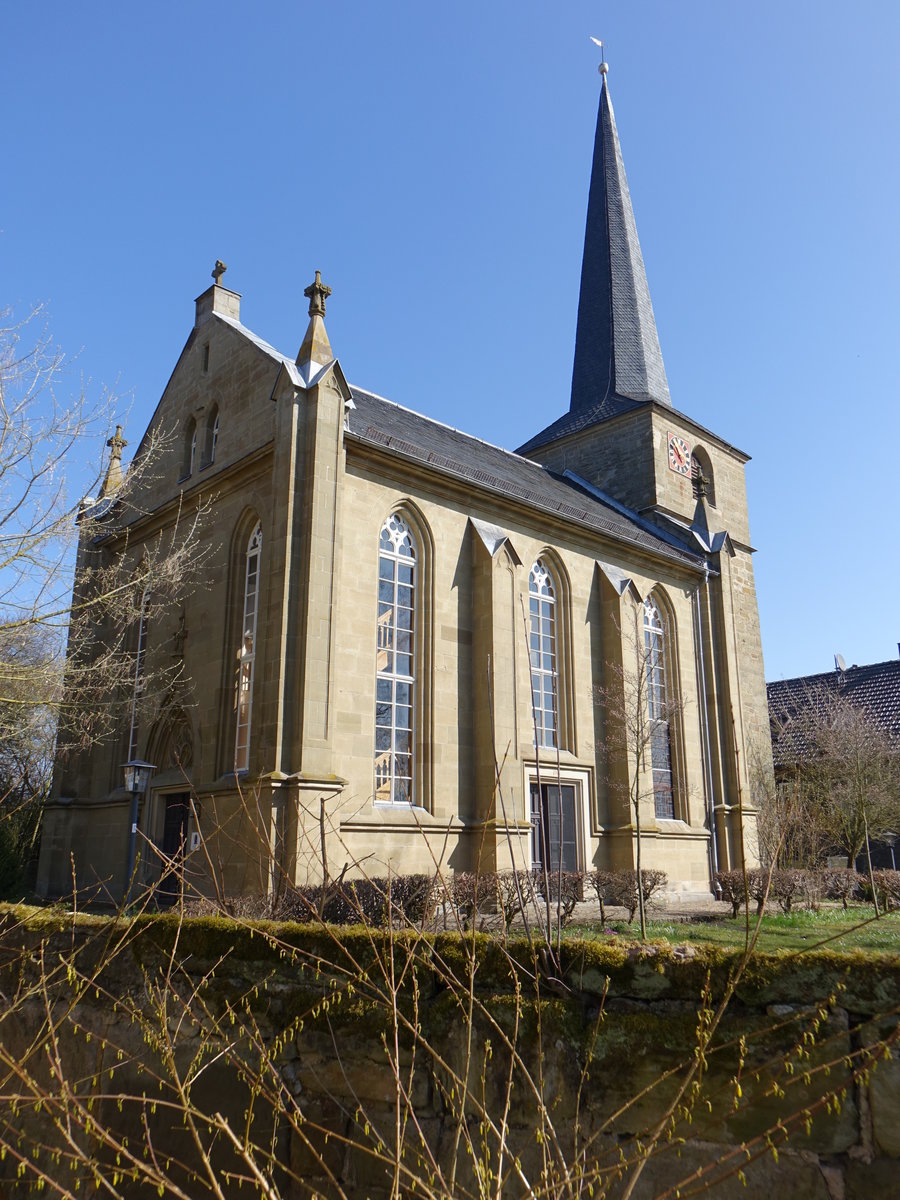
(413, 648)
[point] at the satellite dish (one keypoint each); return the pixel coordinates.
(839, 663)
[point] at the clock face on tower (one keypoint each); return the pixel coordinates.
(679, 455)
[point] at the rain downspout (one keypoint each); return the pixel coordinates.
(710, 802)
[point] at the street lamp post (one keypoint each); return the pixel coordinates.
(137, 777)
(890, 837)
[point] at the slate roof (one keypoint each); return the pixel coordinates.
(618, 362)
(382, 423)
(874, 688)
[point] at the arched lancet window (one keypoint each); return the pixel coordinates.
(395, 663)
(659, 709)
(211, 437)
(247, 652)
(189, 460)
(702, 478)
(544, 655)
(140, 656)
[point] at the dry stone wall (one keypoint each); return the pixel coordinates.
(287, 1061)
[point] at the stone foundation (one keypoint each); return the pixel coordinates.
(301, 1055)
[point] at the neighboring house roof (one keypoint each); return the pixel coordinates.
(874, 688)
(383, 423)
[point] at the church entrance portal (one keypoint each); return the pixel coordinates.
(174, 844)
(555, 818)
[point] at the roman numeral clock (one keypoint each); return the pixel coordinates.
(679, 455)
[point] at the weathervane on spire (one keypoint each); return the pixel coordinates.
(604, 65)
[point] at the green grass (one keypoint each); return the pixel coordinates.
(837, 929)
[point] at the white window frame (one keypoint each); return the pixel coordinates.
(659, 710)
(396, 623)
(247, 652)
(543, 645)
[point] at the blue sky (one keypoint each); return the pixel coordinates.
(433, 161)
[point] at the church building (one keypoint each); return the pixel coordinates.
(410, 648)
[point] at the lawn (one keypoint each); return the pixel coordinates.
(854, 929)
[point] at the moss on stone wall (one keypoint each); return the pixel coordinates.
(337, 1022)
(323, 956)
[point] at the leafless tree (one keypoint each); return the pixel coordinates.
(639, 715)
(66, 657)
(846, 769)
(791, 825)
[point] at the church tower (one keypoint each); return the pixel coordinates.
(626, 443)
(622, 433)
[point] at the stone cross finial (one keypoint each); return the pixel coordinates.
(318, 293)
(218, 271)
(116, 444)
(112, 481)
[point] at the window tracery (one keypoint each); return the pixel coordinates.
(544, 655)
(247, 652)
(659, 710)
(395, 700)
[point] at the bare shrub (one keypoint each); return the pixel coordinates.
(784, 887)
(413, 898)
(888, 884)
(758, 885)
(560, 889)
(604, 884)
(623, 889)
(472, 893)
(515, 890)
(841, 883)
(813, 889)
(732, 887)
(301, 903)
(505, 892)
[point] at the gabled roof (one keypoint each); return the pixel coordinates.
(446, 450)
(618, 362)
(874, 688)
(382, 423)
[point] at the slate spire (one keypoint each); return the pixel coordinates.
(616, 344)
